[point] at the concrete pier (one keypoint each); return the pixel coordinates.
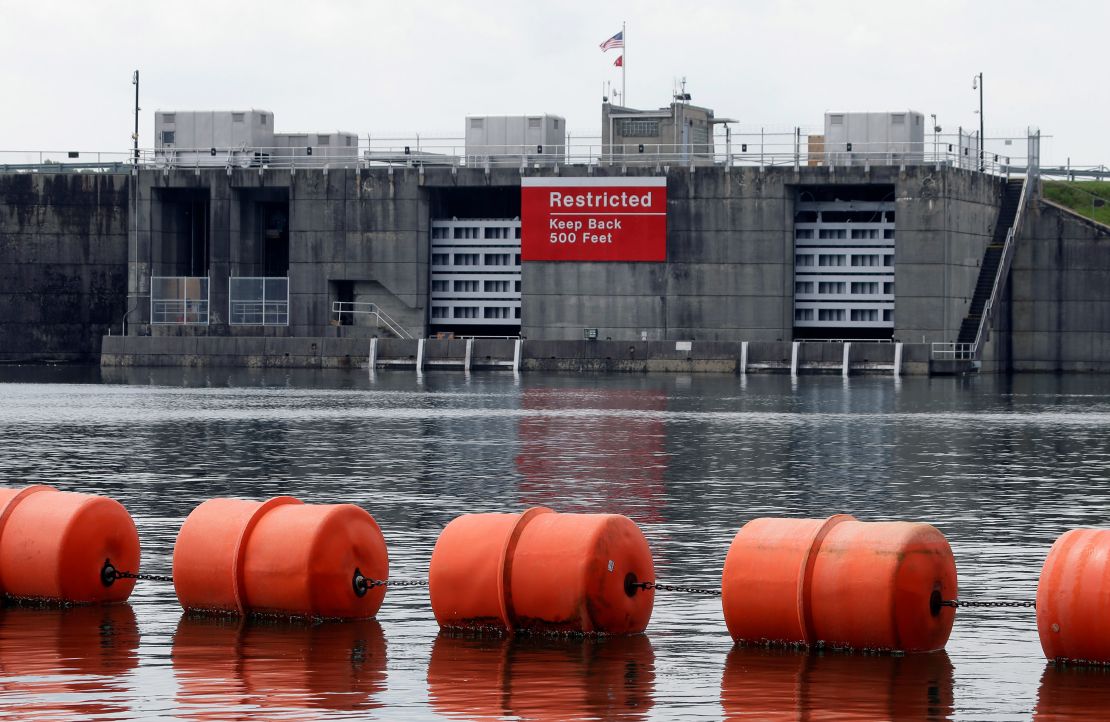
(498, 354)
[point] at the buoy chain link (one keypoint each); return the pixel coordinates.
(961, 603)
(147, 577)
(363, 584)
(109, 574)
(404, 583)
(678, 588)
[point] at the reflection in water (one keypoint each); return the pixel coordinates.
(541, 678)
(776, 684)
(223, 664)
(67, 663)
(611, 450)
(1073, 693)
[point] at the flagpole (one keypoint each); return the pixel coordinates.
(624, 67)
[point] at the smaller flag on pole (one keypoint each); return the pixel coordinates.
(619, 61)
(617, 41)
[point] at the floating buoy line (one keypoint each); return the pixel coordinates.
(835, 583)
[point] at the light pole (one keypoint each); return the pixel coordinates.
(936, 134)
(135, 135)
(977, 82)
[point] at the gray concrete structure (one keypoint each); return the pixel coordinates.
(498, 354)
(360, 234)
(729, 273)
(1056, 311)
(365, 234)
(681, 132)
(63, 261)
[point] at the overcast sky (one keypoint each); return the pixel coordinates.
(406, 67)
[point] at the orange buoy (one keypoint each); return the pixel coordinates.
(1073, 597)
(542, 571)
(841, 582)
(54, 546)
(280, 557)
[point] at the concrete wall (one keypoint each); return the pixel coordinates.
(1058, 316)
(729, 274)
(493, 354)
(728, 277)
(369, 228)
(63, 260)
(944, 222)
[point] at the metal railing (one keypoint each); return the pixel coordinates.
(66, 161)
(734, 148)
(947, 351)
(258, 301)
(974, 351)
(750, 147)
(179, 300)
(341, 310)
(987, 317)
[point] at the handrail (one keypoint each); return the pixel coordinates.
(767, 151)
(952, 351)
(338, 308)
(1003, 268)
(747, 146)
(846, 340)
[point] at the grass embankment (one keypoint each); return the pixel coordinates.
(1081, 197)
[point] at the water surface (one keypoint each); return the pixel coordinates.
(1002, 466)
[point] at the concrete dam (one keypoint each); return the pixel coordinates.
(826, 269)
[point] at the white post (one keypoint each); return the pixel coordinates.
(847, 352)
(624, 65)
(420, 356)
(794, 357)
(469, 349)
(516, 355)
(373, 360)
(743, 358)
(897, 359)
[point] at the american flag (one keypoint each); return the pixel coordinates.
(617, 41)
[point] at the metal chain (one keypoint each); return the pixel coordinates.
(146, 577)
(371, 583)
(961, 603)
(363, 584)
(677, 588)
(109, 574)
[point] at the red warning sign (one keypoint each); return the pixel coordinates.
(593, 219)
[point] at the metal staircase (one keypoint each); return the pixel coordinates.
(382, 321)
(966, 353)
(992, 261)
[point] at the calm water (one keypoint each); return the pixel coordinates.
(1001, 466)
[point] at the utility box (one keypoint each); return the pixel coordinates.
(815, 149)
(504, 139)
(893, 138)
(339, 144)
(212, 137)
